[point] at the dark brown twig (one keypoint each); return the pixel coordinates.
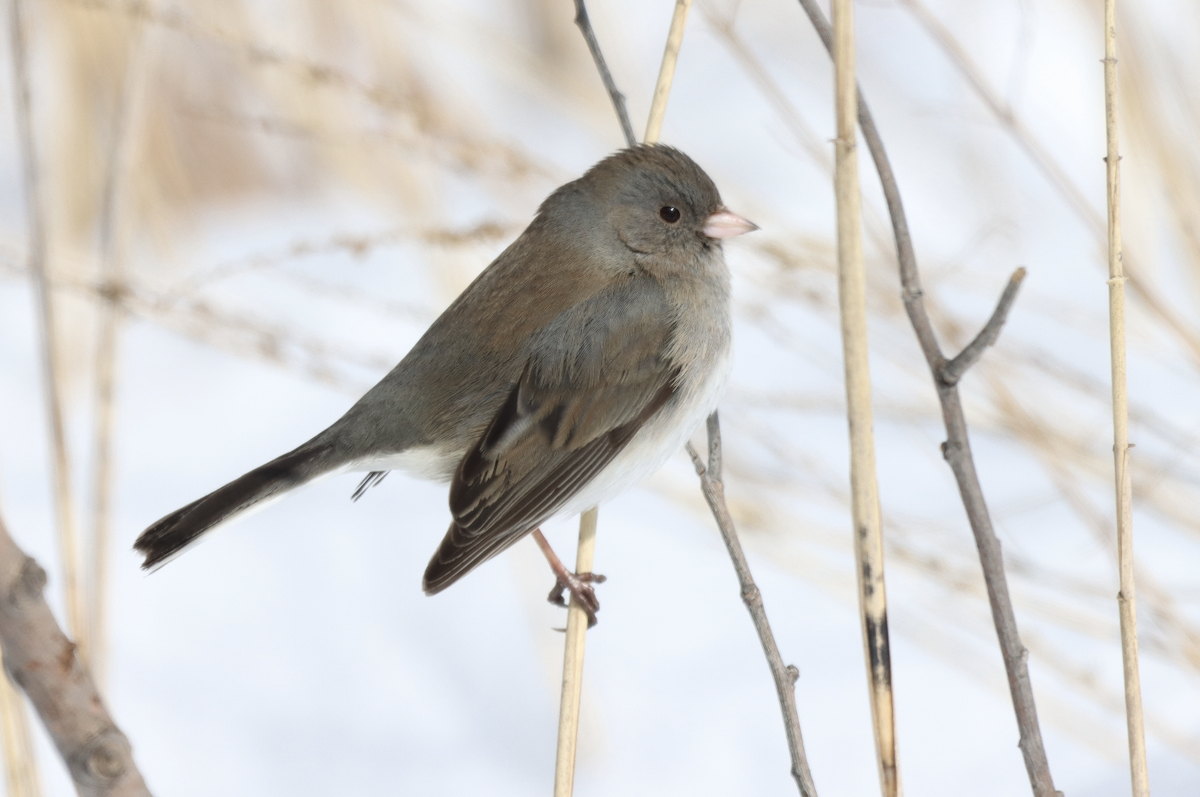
(618, 99)
(957, 448)
(785, 675)
(43, 662)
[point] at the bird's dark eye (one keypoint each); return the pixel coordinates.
(668, 214)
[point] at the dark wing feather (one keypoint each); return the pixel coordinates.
(600, 372)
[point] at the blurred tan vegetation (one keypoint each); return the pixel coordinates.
(222, 105)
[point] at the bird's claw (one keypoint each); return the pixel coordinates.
(580, 587)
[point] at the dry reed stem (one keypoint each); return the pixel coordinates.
(51, 365)
(784, 675)
(108, 324)
(20, 765)
(572, 687)
(46, 665)
(864, 489)
(577, 619)
(666, 73)
(957, 448)
(1127, 598)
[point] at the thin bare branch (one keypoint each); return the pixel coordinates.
(44, 663)
(785, 676)
(957, 451)
(1127, 598)
(618, 99)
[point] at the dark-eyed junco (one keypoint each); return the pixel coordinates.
(572, 367)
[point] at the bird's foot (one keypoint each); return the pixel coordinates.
(580, 587)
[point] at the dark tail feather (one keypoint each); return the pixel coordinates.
(173, 533)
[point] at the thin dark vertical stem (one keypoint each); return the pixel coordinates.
(784, 675)
(618, 99)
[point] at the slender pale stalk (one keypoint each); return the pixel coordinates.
(572, 687)
(108, 325)
(1127, 598)
(20, 766)
(868, 531)
(51, 364)
(666, 73)
(568, 717)
(957, 448)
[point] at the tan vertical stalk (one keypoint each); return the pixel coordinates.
(577, 621)
(1126, 599)
(577, 626)
(20, 767)
(666, 74)
(868, 533)
(51, 366)
(108, 326)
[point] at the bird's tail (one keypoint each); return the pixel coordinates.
(255, 490)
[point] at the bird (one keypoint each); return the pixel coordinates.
(572, 367)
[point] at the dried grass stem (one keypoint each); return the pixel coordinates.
(51, 364)
(957, 448)
(1127, 598)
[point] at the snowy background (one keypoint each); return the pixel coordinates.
(305, 186)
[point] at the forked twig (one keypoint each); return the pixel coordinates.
(1053, 171)
(784, 675)
(1127, 598)
(44, 663)
(957, 448)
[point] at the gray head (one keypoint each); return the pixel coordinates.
(656, 201)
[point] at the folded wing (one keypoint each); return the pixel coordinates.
(593, 378)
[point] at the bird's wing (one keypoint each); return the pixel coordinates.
(592, 379)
